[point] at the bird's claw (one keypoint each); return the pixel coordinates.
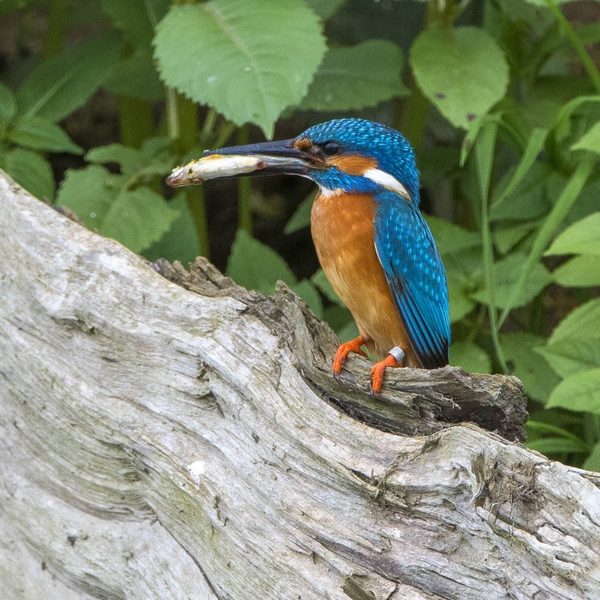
(342, 353)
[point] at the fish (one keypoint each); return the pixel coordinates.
(215, 166)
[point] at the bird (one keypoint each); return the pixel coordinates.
(371, 239)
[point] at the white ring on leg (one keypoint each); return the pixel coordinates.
(397, 353)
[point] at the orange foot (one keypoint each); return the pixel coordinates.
(344, 349)
(378, 371)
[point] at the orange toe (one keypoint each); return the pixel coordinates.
(344, 349)
(378, 371)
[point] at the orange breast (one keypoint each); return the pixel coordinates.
(344, 236)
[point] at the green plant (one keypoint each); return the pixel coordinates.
(500, 99)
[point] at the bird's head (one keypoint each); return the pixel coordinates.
(340, 156)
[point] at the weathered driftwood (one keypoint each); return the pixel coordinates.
(164, 442)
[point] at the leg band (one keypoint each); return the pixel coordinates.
(397, 353)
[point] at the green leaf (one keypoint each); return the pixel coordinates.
(508, 271)
(532, 369)
(590, 141)
(565, 201)
(507, 236)
(325, 8)
(459, 290)
(581, 271)
(58, 86)
(8, 105)
(539, 186)
(306, 290)
(461, 70)
(40, 134)
(558, 445)
(470, 357)
(256, 266)
(181, 241)
(320, 280)
(356, 77)
(450, 237)
(571, 356)
(535, 144)
(89, 192)
(32, 171)
(138, 218)
(579, 392)
(592, 462)
(582, 237)
(582, 323)
(250, 60)
(301, 217)
(129, 159)
(540, 427)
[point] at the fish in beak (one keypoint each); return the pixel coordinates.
(267, 158)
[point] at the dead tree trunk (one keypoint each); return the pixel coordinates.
(185, 439)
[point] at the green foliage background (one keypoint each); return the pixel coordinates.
(500, 99)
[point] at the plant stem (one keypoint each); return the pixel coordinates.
(55, 33)
(484, 158)
(584, 57)
(135, 120)
(244, 191)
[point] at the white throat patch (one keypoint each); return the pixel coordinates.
(327, 193)
(387, 181)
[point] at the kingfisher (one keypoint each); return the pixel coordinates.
(372, 242)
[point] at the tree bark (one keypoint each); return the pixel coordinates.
(167, 434)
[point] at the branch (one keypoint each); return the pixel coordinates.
(185, 438)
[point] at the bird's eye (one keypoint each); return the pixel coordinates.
(330, 148)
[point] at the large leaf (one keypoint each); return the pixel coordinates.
(32, 171)
(582, 237)
(256, 266)
(582, 323)
(450, 237)
(250, 59)
(581, 271)
(136, 218)
(532, 369)
(507, 274)
(89, 193)
(356, 77)
(181, 241)
(580, 392)
(461, 70)
(470, 357)
(572, 356)
(58, 86)
(589, 141)
(40, 134)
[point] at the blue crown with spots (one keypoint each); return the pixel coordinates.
(391, 150)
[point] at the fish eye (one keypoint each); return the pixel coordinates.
(330, 148)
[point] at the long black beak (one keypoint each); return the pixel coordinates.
(278, 157)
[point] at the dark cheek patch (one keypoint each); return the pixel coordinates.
(353, 164)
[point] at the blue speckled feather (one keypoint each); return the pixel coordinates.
(416, 276)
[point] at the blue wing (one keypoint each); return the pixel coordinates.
(416, 276)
